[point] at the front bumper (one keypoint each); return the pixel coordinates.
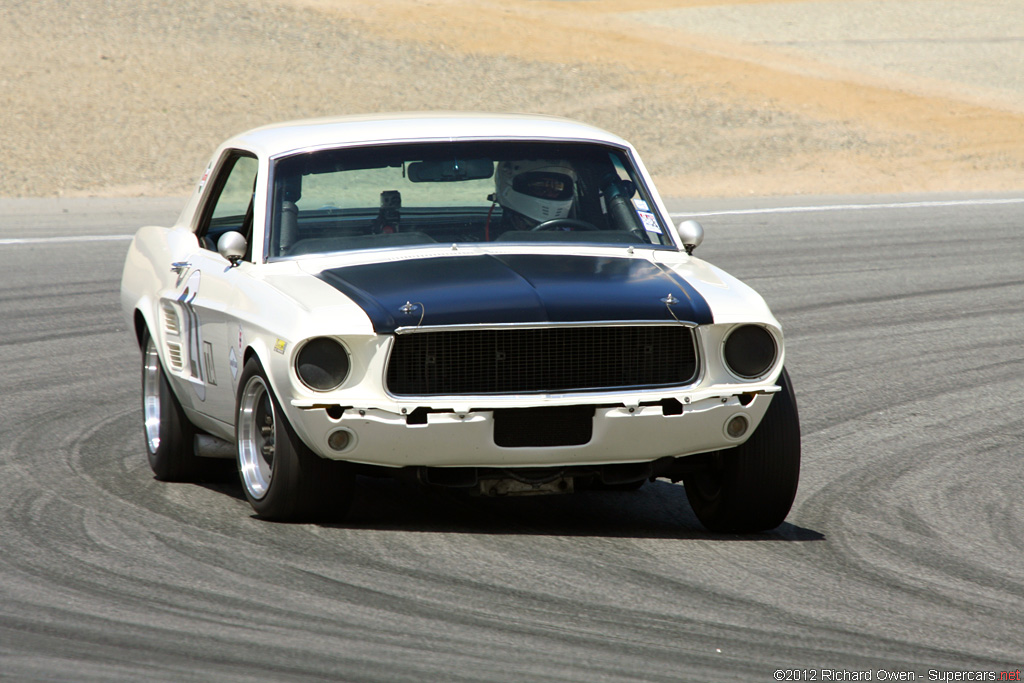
(466, 439)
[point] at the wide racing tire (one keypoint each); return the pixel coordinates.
(170, 437)
(282, 478)
(751, 488)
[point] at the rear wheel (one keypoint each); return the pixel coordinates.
(751, 487)
(169, 435)
(282, 478)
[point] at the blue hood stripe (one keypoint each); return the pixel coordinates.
(516, 288)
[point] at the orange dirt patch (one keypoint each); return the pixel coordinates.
(931, 143)
(132, 98)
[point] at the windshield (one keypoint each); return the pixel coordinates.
(396, 195)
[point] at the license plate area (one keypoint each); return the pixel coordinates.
(543, 427)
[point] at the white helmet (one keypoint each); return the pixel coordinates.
(540, 189)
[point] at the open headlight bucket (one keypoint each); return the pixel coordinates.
(322, 363)
(749, 351)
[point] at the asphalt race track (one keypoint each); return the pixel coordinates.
(903, 553)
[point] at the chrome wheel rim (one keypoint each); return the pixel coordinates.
(256, 437)
(151, 395)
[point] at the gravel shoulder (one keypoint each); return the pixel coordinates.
(128, 98)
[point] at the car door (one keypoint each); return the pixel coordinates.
(208, 290)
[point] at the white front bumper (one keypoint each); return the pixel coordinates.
(620, 435)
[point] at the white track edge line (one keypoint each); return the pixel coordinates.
(851, 207)
(70, 238)
(676, 214)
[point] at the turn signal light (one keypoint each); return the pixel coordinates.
(737, 426)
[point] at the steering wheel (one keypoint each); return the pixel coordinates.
(571, 223)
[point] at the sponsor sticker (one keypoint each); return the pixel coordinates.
(280, 345)
(649, 221)
(206, 176)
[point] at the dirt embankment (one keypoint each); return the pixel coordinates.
(129, 97)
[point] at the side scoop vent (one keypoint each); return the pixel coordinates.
(174, 356)
(171, 323)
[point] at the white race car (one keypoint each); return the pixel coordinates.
(490, 302)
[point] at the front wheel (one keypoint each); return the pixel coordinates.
(282, 478)
(751, 487)
(169, 435)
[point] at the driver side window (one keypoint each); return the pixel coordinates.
(231, 206)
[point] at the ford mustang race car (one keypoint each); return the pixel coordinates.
(492, 303)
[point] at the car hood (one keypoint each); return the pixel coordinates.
(492, 289)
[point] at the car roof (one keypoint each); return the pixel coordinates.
(283, 138)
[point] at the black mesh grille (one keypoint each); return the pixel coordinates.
(554, 359)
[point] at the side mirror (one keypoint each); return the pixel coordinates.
(690, 234)
(232, 246)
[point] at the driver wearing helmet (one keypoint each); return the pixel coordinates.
(532, 192)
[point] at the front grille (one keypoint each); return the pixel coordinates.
(543, 360)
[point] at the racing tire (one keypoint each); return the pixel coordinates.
(751, 488)
(283, 479)
(169, 436)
